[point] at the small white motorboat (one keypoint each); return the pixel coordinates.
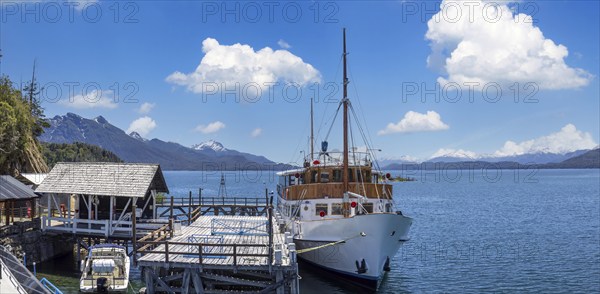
(105, 270)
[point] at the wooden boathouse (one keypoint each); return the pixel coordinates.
(101, 199)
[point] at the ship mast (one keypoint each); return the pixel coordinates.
(312, 138)
(345, 102)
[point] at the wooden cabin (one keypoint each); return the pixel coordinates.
(320, 181)
(16, 200)
(98, 198)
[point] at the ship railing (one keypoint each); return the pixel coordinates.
(111, 282)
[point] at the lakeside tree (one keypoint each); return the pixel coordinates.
(21, 121)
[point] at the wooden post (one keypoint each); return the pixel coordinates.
(234, 254)
(171, 214)
(111, 212)
(134, 230)
(190, 209)
(270, 231)
(33, 202)
(89, 211)
(200, 253)
(166, 251)
(153, 195)
(7, 211)
(200, 196)
(171, 227)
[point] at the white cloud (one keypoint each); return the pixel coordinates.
(233, 64)
(568, 139)
(212, 127)
(416, 122)
(283, 44)
(93, 99)
(146, 107)
(142, 126)
(256, 132)
(479, 41)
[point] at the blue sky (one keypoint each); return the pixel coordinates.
(403, 71)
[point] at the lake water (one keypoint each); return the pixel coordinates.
(473, 231)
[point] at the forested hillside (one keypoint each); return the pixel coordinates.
(76, 152)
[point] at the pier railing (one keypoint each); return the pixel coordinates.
(170, 249)
(214, 201)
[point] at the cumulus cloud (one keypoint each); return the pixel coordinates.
(146, 107)
(256, 132)
(142, 126)
(283, 44)
(484, 41)
(232, 64)
(212, 127)
(93, 99)
(568, 139)
(416, 122)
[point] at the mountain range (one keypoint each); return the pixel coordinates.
(212, 155)
(578, 159)
(132, 147)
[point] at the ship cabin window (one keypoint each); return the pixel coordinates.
(359, 176)
(350, 175)
(337, 175)
(368, 176)
(368, 207)
(336, 209)
(375, 178)
(324, 177)
(320, 207)
(313, 176)
(295, 181)
(388, 207)
(294, 211)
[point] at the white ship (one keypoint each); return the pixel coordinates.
(340, 211)
(105, 270)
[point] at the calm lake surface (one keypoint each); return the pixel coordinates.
(473, 231)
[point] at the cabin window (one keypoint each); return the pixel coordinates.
(320, 207)
(350, 175)
(294, 211)
(359, 176)
(313, 176)
(375, 178)
(336, 209)
(388, 207)
(368, 207)
(337, 175)
(367, 175)
(324, 177)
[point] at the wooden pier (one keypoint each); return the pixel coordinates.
(221, 254)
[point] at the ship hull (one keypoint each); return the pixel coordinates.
(366, 243)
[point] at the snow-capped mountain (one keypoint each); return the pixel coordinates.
(133, 147)
(210, 145)
(137, 136)
(526, 158)
(214, 148)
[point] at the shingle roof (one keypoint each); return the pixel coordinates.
(104, 179)
(35, 179)
(12, 189)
